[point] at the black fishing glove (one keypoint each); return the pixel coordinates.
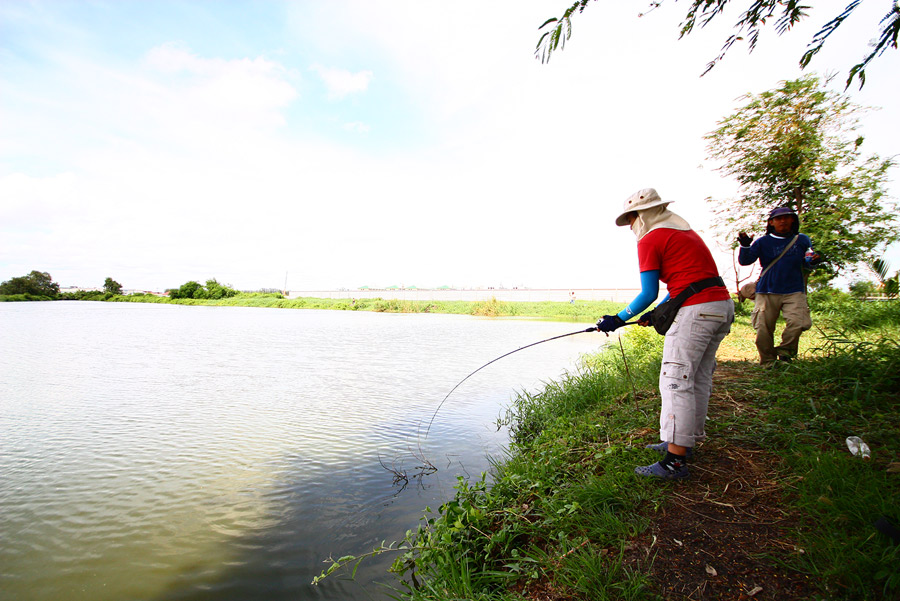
(646, 319)
(744, 239)
(610, 323)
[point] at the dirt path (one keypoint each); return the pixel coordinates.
(722, 532)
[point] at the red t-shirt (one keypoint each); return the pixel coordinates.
(682, 259)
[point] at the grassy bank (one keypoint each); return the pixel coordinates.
(776, 507)
(17, 298)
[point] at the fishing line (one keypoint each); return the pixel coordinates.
(585, 331)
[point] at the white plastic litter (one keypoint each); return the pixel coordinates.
(858, 447)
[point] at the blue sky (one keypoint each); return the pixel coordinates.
(367, 142)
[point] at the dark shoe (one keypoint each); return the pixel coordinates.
(656, 470)
(662, 447)
(785, 358)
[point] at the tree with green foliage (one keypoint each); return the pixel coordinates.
(186, 290)
(37, 283)
(213, 290)
(795, 146)
(112, 287)
(783, 14)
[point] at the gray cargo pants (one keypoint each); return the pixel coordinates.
(688, 363)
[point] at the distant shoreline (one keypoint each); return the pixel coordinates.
(552, 304)
(491, 306)
(618, 295)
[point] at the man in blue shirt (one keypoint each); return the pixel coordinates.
(782, 288)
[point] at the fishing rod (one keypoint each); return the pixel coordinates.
(585, 331)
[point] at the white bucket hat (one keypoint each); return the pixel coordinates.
(640, 200)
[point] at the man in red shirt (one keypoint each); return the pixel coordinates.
(669, 251)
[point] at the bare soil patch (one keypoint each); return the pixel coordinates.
(725, 533)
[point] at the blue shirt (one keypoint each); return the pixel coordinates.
(786, 276)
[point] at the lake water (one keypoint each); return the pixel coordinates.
(164, 452)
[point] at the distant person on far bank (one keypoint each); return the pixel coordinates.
(785, 256)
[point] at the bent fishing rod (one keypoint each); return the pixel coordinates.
(585, 331)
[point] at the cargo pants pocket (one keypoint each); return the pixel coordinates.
(675, 376)
(675, 385)
(756, 316)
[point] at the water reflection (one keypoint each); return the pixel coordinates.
(166, 452)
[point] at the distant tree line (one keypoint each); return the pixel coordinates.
(212, 290)
(39, 285)
(87, 295)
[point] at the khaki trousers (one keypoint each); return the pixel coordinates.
(766, 309)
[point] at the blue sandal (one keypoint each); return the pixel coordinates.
(656, 470)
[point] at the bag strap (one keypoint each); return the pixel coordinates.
(786, 248)
(695, 288)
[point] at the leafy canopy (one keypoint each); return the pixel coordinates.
(112, 287)
(38, 283)
(784, 14)
(213, 290)
(796, 146)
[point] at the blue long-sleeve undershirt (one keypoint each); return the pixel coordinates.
(649, 292)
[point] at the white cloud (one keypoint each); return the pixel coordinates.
(248, 91)
(341, 83)
(357, 127)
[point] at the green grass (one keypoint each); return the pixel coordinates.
(562, 500)
(847, 386)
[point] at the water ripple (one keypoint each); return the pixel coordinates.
(165, 452)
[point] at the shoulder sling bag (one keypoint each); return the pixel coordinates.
(664, 313)
(748, 291)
